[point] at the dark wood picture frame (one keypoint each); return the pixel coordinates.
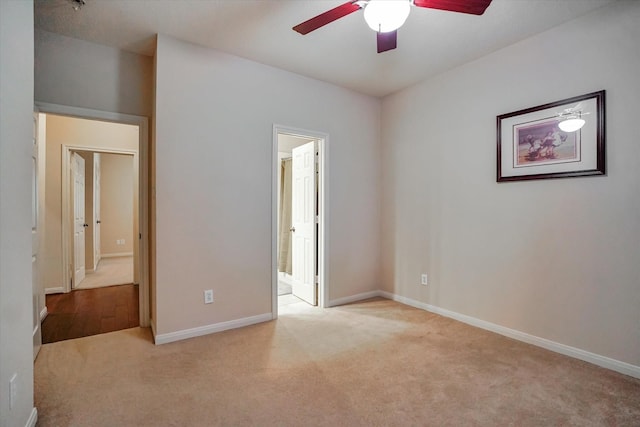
(531, 146)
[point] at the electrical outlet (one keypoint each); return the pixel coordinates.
(208, 296)
(120, 242)
(423, 279)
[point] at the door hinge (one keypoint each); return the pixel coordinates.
(140, 236)
(317, 279)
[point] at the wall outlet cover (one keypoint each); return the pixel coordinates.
(423, 279)
(208, 296)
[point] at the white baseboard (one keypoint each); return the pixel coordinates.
(116, 255)
(210, 329)
(54, 290)
(354, 298)
(43, 313)
(33, 418)
(596, 359)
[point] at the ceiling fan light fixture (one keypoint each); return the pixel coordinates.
(384, 16)
(77, 4)
(571, 124)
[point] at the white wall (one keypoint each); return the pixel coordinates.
(16, 133)
(116, 204)
(557, 259)
(213, 162)
(78, 73)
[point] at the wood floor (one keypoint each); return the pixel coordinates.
(85, 312)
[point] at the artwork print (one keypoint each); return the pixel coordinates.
(561, 139)
(542, 142)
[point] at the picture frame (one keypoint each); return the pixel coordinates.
(531, 145)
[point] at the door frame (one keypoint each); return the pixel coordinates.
(323, 211)
(143, 191)
(67, 213)
(96, 241)
(37, 234)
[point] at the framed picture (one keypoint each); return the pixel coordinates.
(539, 142)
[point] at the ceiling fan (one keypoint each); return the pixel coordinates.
(386, 16)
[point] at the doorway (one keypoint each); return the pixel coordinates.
(104, 216)
(98, 148)
(299, 236)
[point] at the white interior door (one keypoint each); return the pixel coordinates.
(96, 210)
(303, 229)
(35, 240)
(79, 223)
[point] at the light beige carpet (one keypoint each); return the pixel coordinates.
(110, 271)
(375, 363)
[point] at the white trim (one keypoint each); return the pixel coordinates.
(354, 298)
(43, 313)
(210, 329)
(143, 188)
(67, 246)
(116, 254)
(407, 301)
(323, 225)
(83, 113)
(33, 418)
(274, 224)
(323, 208)
(53, 290)
(596, 359)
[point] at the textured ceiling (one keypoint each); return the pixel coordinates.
(342, 53)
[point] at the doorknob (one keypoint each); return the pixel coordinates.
(85, 225)
(292, 229)
(98, 222)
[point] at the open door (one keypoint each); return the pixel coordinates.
(303, 230)
(79, 223)
(36, 221)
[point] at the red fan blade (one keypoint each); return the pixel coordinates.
(387, 41)
(474, 7)
(327, 17)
